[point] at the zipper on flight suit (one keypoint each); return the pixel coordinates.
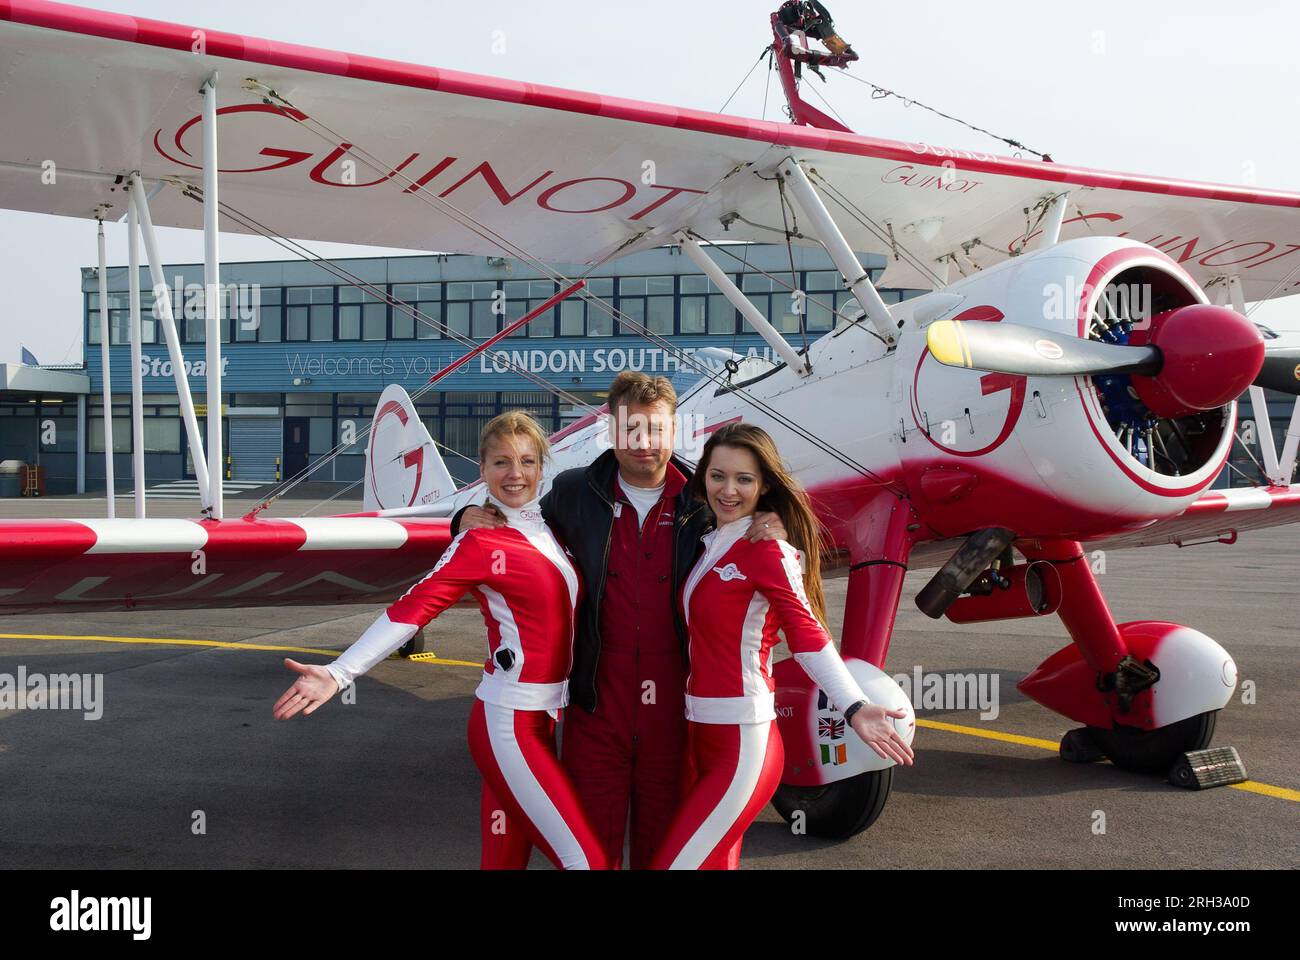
(600, 591)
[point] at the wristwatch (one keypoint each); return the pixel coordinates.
(848, 714)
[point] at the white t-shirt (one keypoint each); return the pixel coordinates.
(642, 498)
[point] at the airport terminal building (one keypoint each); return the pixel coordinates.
(306, 352)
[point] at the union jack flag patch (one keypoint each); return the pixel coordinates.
(830, 728)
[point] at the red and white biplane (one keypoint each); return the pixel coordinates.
(1069, 380)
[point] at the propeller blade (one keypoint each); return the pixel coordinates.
(1028, 351)
(1281, 371)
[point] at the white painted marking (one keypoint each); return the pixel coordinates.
(132, 535)
(351, 533)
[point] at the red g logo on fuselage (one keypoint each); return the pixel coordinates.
(979, 431)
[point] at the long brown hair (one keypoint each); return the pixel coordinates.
(785, 497)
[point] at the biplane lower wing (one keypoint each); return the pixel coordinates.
(1217, 515)
(324, 145)
(124, 564)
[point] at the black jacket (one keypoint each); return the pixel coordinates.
(579, 510)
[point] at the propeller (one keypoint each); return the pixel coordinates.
(1029, 351)
(1192, 358)
(1281, 369)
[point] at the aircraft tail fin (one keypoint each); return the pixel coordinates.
(403, 466)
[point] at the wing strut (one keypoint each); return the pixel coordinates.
(163, 307)
(109, 486)
(855, 275)
(137, 375)
(212, 299)
(1053, 217)
(742, 303)
(1277, 470)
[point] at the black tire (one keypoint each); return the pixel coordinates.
(1077, 746)
(1154, 751)
(837, 811)
(412, 646)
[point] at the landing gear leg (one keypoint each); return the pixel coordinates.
(1129, 740)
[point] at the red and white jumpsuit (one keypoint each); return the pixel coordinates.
(527, 588)
(738, 595)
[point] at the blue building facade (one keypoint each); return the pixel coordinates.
(307, 348)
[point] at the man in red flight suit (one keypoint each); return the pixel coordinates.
(634, 530)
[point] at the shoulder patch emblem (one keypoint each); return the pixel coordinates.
(729, 572)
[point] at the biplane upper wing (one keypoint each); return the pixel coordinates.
(358, 149)
(1215, 515)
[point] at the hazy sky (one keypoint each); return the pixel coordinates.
(1177, 89)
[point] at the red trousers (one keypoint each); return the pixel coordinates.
(733, 771)
(626, 758)
(528, 800)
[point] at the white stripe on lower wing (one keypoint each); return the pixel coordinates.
(350, 533)
(146, 535)
(1247, 500)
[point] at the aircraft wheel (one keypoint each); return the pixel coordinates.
(837, 810)
(1154, 751)
(412, 646)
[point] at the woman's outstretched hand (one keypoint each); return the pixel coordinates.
(313, 687)
(872, 724)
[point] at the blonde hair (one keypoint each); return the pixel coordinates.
(785, 497)
(631, 387)
(509, 424)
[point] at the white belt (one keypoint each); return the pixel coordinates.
(504, 692)
(756, 708)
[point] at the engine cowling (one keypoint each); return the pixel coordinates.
(1072, 456)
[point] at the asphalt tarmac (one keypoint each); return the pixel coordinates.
(187, 768)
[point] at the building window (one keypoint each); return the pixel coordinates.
(469, 309)
(309, 314)
(65, 429)
(121, 423)
(573, 317)
(649, 301)
(541, 406)
(240, 305)
(417, 311)
(704, 309)
(363, 314)
(600, 319)
(773, 301)
(263, 318)
(121, 434)
(161, 434)
(523, 296)
(119, 318)
(825, 293)
(464, 416)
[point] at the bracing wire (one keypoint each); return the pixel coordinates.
(420, 190)
(743, 79)
(878, 92)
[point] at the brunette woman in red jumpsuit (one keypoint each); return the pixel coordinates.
(738, 595)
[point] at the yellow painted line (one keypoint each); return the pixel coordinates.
(222, 644)
(1250, 786)
(1268, 790)
(988, 734)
